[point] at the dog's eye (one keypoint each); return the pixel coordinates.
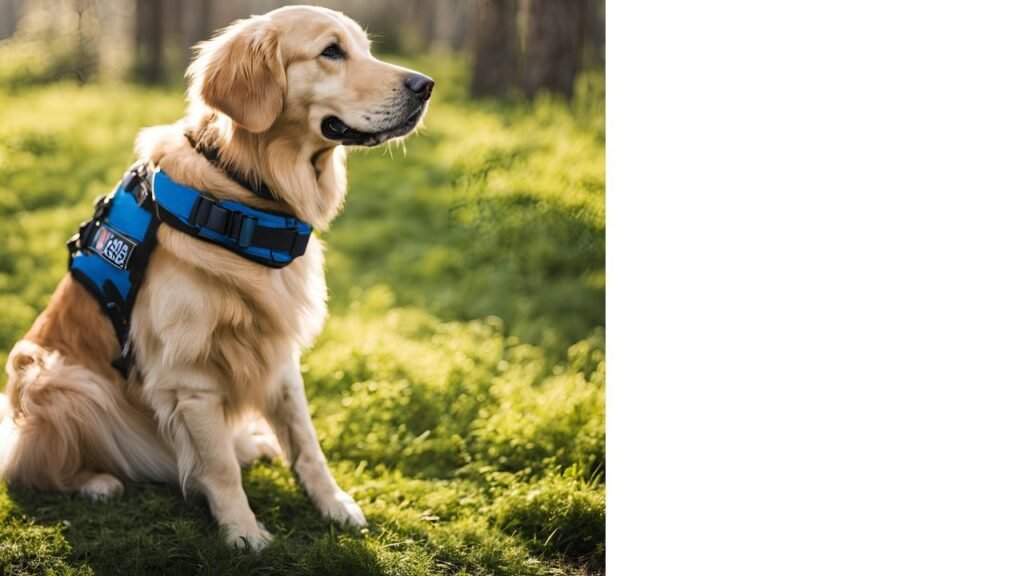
(334, 52)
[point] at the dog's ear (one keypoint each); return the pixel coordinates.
(240, 72)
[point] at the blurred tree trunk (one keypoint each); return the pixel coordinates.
(10, 13)
(149, 39)
(450, 25)
(84, 59)
(495, 47)
(554, 42)
(195, 25)
(422, 15)
(593, 36)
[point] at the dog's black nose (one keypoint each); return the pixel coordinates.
(420, 85)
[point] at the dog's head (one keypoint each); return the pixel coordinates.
(307, 70)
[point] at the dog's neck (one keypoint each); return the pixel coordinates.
(305, 176)
(206, 139)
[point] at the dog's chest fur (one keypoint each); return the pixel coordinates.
(209, 315)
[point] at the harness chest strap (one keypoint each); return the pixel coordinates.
(270, 238)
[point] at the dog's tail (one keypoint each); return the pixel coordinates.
(63, 419)
(8, 431)
(6, 412)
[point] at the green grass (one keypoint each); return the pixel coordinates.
(458, 388)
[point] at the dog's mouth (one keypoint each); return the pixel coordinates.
(334, 129)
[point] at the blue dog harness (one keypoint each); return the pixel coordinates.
(110, 252)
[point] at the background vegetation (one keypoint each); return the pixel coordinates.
(458, 388)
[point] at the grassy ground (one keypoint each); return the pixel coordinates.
(458, 388)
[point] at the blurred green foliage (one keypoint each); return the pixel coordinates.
(30, 61)
(458, 388)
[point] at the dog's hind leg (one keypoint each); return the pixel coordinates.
(100, 486)
(255, 440)
(71, 429)
(55, 415)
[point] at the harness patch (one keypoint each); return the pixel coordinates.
(112, 247)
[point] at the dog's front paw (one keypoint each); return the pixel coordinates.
(252, 537)
(343, 509)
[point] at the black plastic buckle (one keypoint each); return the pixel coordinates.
(131, 179)
(241, 228)
(136, 182)
(85, 232)
(83, 238)
(200, 212)
(87, 228)
(209, 214)
(102, 206)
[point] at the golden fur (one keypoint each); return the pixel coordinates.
(216, 337)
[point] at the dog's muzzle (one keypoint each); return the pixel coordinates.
(333, 128)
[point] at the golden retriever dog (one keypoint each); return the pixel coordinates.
(216, 338)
